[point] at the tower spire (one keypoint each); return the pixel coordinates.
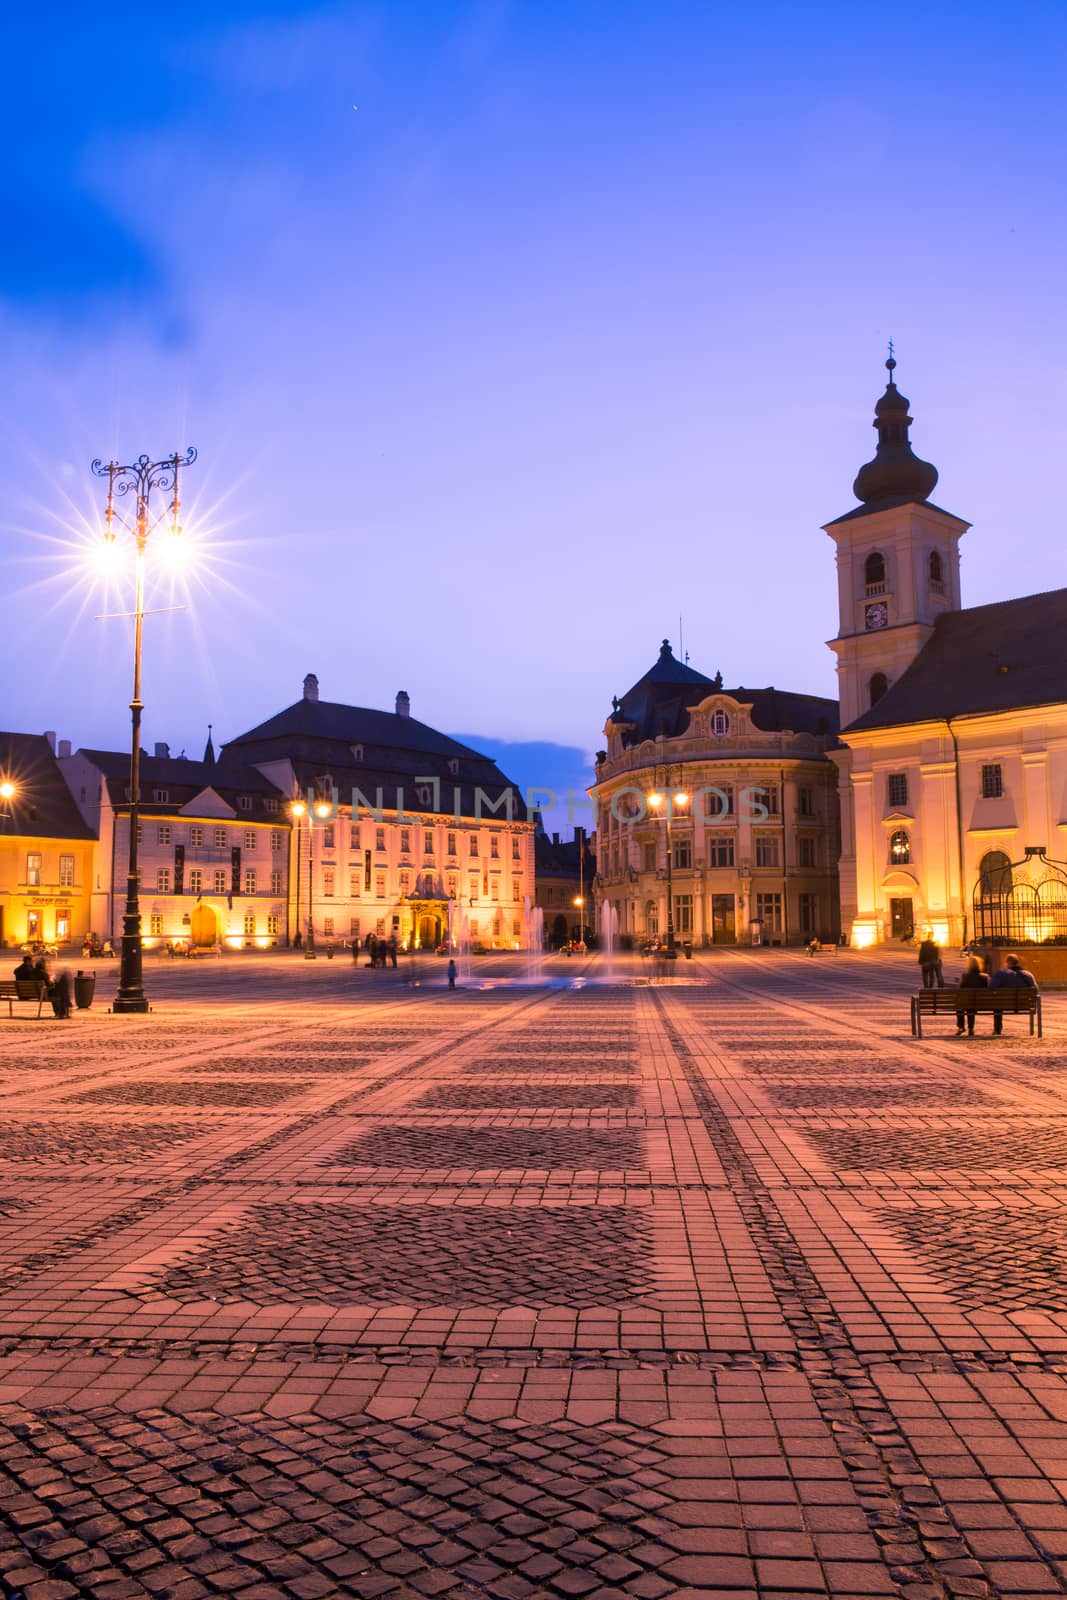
(896, 474)
(209, 749)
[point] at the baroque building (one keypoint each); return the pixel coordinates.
(754, 844)
(954, 761)
(46, 847)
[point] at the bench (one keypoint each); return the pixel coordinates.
(931, 1002)
(822, 949)
(27, 989)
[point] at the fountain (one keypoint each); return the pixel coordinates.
(609, 928)
(535, 941)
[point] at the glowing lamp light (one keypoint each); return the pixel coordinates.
(234, 942)
(263, 942)
(298, 808)
(681, 798)
(7, 790)
(176, 551)
(864, 934)
(939, 932)
(323, 808)
(655, 799)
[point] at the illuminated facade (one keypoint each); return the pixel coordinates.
(46, 848)
(954, 721)
(754, 847)
(396, 822)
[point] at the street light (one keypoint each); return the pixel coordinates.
(579, 901)
(297, 810)
(140, 480)
(668, 802)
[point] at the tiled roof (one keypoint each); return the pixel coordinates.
(42, 806)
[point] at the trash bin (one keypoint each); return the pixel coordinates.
(688, 949)
(84, 988)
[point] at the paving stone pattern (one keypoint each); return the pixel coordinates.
(315, 1283)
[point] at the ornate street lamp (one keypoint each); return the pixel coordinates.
(139, 480)
(667, 802)
(297, 809)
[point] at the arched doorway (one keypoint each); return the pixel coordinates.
(204, 927)
(429, 932)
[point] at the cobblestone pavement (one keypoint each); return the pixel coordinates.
(323, 1282)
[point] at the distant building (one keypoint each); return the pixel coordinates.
(399, 821)
(213, 846)
(954, 771)
(46, 848)
(755, 843)
(565, 873)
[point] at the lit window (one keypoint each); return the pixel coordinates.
(163, 880)
(163, 835)
(992, 782)
(899, 847)
(155, 923)
(33, 869)
(196, 881)
(328, 881)
(274, 923)
(66, 872)
(250, 880)
(897, 785)
(250, 922)
(220, 882)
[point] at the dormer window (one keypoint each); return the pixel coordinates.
(937, 572)
(244, 802)
(357, 752)
(720, 724)
(453, 767)
(874, 573)
(422, 794)
(161, 797)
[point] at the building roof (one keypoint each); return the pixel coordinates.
(658, 703)
(42, 806)
(184, 780)
(556, 858)
(896, 473)
(1001, 657)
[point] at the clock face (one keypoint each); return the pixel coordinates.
(877, 615)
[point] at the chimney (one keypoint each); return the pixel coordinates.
(555, 838)
(162, 752)
(403, 703)
(311, 687)
(64, 749)
(50, 735)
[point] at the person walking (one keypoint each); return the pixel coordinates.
(1012, 975)
(930, 963)
(972, 978)
(451, 974)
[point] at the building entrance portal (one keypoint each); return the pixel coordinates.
(204, 927)
(723, 924)
(901, 918)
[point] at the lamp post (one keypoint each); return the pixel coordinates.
(667, 801)
(297, 809)
(579, 902)
(140, 480)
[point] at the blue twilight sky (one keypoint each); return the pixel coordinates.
(574, 325)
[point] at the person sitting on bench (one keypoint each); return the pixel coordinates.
(25, 972)
(972, 978)
(1012, 975)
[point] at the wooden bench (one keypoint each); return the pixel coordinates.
(823, 949)
(931, 1002)
(27, 989)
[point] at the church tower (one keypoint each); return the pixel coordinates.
(898, 562)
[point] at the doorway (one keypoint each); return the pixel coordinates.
(62, 927)
(203, 927)
(723, 926)
(901, 919)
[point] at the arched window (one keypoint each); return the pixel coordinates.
(874, 572)
(720, 723)
(877, 687)
(994, 873)
(937, 571)
(899, 847)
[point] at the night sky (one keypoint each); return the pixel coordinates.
(574, 325)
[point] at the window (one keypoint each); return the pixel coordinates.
(805, 802)
(329, 839)
(250, 880)
(327, 927)
(66, 872)
(155, 923)
(720, 724)
(355, 884)
(163, 835)
(220, 881)
(808, 909)
(275, 838)
(274, 923)
(275, 882)
(270, 805)
(405, 841)
(719, 802)
(250, 922)
(937, 572)
(994, 873)
(992, 782)
(494, 848)
(874, 573)
(163, 880)
(899, 847)
(196, 837)
(648, 855)
(379, 838)
(515, 853)
(474, 844)
(806, 851)
(453, 767)
(452, 885)
(422, 794)
(161, 797)
(405, 882)
(516, 889)
(766, 850)
(897, 788)
(328, 876)
(33, 869)
(196, 881)
(427, 841)
(250, 838)
(769, 912)
(764, 801)
(473, 885)
(354, 840)
(220, 838)
(357, 752)
(451, 844)
(379, 886)
(877, 687)
(244, 802)
(721, 852)
(683, 854)
(683, 913)
(353, 927)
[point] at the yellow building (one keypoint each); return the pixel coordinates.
(46, 848)
(954, 722)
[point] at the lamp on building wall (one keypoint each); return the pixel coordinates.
(664, 803)
(140, 480)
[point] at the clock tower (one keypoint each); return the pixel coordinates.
(898, 562)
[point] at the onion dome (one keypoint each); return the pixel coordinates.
(896, 473)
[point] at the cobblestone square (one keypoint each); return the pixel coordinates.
(314, 1282)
